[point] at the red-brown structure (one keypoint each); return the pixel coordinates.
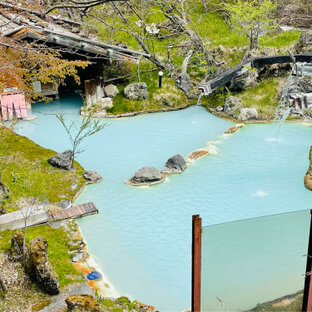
(196, 262)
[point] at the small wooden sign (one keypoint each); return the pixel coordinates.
(10, 89)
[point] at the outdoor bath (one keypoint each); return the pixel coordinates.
(141, 237)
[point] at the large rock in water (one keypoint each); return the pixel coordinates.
(92, 176)
(148, 175)
(136, 91)
(176, 163)
(62, 160)
(39, 267)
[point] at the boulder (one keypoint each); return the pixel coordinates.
(64, 204)
(247, 113)
(111, 90)
(308, 176)
(39, 267)
(16, 250)
(147, 175)
(106, 102)
(78, 257)
(183, 82)
(308, 181)
(232, 106)
(82, 303)
(247, 80)
(167, 102)
(92, 176)
(62, 160)
(136, 91)
(177, 163)
(304, 44)
(299, 85)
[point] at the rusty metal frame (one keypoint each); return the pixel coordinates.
(196, 262)
(307, 292)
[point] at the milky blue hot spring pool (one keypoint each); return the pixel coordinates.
(141, 237)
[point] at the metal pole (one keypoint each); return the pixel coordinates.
(160, 74)
(307, 292)
(196, 262)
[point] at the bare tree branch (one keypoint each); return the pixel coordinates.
(85, 5)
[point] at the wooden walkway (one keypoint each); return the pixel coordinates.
(75, 212)
(15, 220)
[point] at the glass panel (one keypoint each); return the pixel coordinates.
(254, 261)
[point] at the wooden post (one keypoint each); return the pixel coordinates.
(196, 262)
(307, 292)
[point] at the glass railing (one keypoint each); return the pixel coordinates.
(255, 261)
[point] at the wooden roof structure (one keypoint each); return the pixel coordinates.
(60, 33)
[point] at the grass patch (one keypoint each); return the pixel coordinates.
(264, 97)
(168, 91)
(284, 39)
(27, 173)
(58, 250)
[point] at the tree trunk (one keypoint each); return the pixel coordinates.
(205, 6)
(254, 42)
(186, 61)
(146, 49)
(194, 36)
(3, 289)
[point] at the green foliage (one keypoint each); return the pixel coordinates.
(78, 131)
(120, 304)
(252, 17)
(26, 172)
(281, 40)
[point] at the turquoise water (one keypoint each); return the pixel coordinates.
(239, 271)
(142, 236)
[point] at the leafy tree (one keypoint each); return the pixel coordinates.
(78, 131)
(252, 18)
(23, 63)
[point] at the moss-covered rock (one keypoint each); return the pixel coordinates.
(82, 303)
(16, 250)
(39, 267)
